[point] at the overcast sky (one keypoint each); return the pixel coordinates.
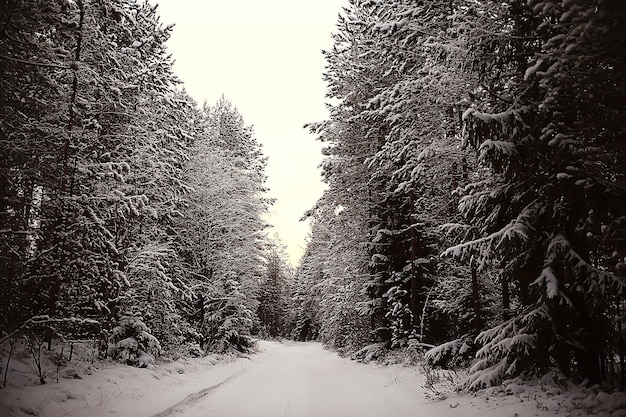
(265, 57)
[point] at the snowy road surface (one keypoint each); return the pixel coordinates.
(303, 380)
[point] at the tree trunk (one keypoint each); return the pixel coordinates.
(416, 273)
(506, 298)
(476, 305)
(622, 362)
(201, 311)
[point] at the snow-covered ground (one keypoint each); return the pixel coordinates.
(289, 379)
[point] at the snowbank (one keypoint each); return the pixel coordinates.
(111, 389)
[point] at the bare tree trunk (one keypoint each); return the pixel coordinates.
(73, 96)
(55, 285)
(35, 348)
(6, 369)
(506, 298)
(622, 362)
(416, 273)
(477, 323)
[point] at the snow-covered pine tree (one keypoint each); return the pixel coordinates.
(124, 70)
(421, 164)
(415, 94)
(33, 57)
(98, 65)
(333, 271)
(152, 267)
(303, 317)
(58, 262)
(273, 290)
(397, 75)
(347, 207)
(546, 119)
(221, 235)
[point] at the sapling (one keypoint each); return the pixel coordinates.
(6, 368)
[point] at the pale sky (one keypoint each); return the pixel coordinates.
(265, 57)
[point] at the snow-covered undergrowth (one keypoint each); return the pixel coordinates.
(548, 396)
(516, 398)
(87, 386)
(566, 398)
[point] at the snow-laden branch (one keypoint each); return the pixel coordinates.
(34, 63)
(461, 250)
(45, 320)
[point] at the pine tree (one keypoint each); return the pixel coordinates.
(33, 56)
(99, 65)
(220, 238)
(390, 65)
(303, 317)
(273, 290)
(549, 133)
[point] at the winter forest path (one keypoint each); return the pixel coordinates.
(281, 380)
(304, 380)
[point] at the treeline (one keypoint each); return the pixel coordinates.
(129, 215)
(476, 187)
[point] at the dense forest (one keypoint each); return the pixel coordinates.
(130, 216)
(474, 212)
(476, 195)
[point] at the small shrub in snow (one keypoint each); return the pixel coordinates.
(438, 383)
(132, 342)
(370, 352)
(195, 350)
(452, 355)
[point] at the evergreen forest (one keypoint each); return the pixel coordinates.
(475, 210)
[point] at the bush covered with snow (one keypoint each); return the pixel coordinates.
(132, 342)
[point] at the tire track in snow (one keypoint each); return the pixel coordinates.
(193, 398)
(285, 412)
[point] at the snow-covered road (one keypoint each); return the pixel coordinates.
(283, 379)
(304, 380)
